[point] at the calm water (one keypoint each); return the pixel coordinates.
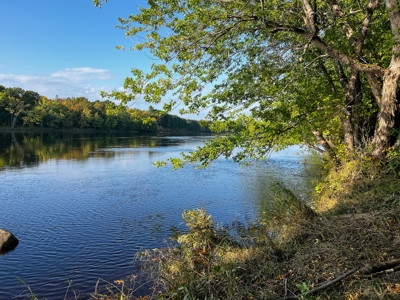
(82, 206)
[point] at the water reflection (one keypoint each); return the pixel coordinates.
(298, 178)
(21, 150)
(83, 205)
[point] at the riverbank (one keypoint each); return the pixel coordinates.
(346, 247)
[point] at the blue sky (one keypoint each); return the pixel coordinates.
(67, 48)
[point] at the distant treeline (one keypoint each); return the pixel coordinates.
(19, 108)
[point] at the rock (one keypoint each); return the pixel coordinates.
(7, 241)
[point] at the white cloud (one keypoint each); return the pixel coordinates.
(82, 74)
(70, 82)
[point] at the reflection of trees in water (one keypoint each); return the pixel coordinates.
(20, 150)
(13, 153)
(298, 178)
(26, 150)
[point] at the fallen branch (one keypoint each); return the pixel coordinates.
(377, 268)
(392, 270)
(329, 283)
(324, 286)
(368, 270)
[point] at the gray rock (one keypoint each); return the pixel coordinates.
(7, 241)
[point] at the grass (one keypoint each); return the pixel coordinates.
(31, 295)
(121, 289)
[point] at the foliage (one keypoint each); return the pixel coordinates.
(284, 207)
(272, 73)
(16, 101)
(191, 271)
(20, 107)
(201, 236)
(360, 173)
(303, 289)
(393, 162)
(120, 289)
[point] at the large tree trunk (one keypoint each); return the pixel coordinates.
(391, 76)
(381, 139)
(352, 89)
(348, 132)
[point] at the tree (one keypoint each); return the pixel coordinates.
(30, 97)
(12, 99)
(33, 113)
(98, 121)
(274, 73)
(52, 113)
(34, 116)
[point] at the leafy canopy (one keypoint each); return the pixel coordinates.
(266, 72)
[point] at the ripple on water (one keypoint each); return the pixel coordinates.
(85, 220)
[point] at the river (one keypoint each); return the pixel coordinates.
(83, 205)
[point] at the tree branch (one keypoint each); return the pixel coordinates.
(322, 287)
(376, 268)
(227, 30)
(309, 18)
(376, 87)
(328, 77)
(315, 148)
(337, 11)
(372, 5)
(322, 141)
(346, 60)
(320, 44)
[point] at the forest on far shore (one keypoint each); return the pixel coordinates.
(24, 108)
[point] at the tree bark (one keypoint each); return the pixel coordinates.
(376, 87)
(352, 89)
(387, 109)
(389, 88)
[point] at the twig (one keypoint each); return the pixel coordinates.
(285, 289)
(329, 283)
(324, 286)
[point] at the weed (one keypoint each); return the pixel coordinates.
(303, 289)
(31, 295)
